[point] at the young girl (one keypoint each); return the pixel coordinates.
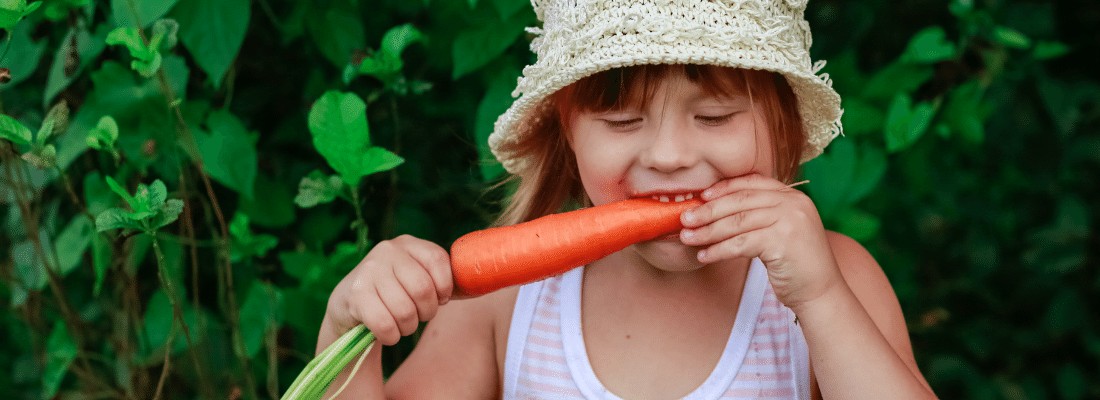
(669, 99)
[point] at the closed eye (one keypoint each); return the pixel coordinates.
(714, 120)
(621, 123)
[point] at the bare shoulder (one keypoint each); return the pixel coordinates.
(459, 352)
(853, 259)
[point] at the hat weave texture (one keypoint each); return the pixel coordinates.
(582, 37)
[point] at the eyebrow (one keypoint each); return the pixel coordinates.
(701, 96)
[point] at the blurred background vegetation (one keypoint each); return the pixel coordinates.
(183, 182)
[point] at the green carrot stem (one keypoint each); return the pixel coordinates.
(312, 382)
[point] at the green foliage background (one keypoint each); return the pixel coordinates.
(968, 168)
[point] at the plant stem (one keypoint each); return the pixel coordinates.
(30, 223)
(167, 363)
(7, 45)
(360, 223)
(191, 147)
(388, 221)
(188, 229)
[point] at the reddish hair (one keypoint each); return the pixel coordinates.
(551, 180)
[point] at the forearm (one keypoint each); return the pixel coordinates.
(367, 383)
(850, 356)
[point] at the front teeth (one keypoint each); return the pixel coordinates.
(678, 198)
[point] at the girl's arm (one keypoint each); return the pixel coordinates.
(858, 340)
(851, 319)
(399, 283)
(455, 357)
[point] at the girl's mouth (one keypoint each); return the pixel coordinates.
(665, 198)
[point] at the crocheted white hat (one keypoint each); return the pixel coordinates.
(582, 37)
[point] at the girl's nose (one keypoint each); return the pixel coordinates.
(669, 149)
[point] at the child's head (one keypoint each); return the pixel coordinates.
(596, 56)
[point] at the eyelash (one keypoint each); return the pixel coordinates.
(705, 119)
(714, 120)
(619, 124)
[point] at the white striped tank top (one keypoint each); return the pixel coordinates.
(765, 357)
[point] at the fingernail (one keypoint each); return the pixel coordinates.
(687, 234)
(688, 217)
(702, 256)
(708, 194)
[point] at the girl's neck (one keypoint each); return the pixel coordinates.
(725, 279)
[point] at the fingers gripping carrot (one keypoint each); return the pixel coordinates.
(490, 259)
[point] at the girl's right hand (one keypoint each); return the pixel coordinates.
(399, 283)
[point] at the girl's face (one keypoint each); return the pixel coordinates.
(682, 142)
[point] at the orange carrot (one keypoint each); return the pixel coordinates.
(490, 259)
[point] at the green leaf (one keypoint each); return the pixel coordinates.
(1064, 313)
(61, 350)
(398, 38)
(14, 131)
(1045, 50)
(906, 123)
(337, 31)
(150, 197)
(139, 13)
(101, 261)
(114, 218)
(11, 11)
(1072, 383)
(507, 8)
(245, 243)
(261, 313)
(474, 48)
(56, 122)
(150, 208)
(928, 46)
(29, 270)
(338, 123)
(147, 59)
(104, 135)
(131, 39)
(844, 175)
(158, 322)
(120, 191)
(857, 224)
(24, 54)
(213, 31)
(386, 64)
(1061, 247)
(164, 34)
(275, 209)
(964, 112)
(830, 176)
(72, 242)
(42, 157)
(497, 99)
(861, 117)
(961, 7)
(869, 172)
(229, 152)
(168, 213)
(1010, 37)
(318, 189)
(77, 50)
(57, 10)
(377, 159)
(895, 79)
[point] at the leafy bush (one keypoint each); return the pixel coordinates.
(170, 231)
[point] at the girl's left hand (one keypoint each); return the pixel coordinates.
(757, 216)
